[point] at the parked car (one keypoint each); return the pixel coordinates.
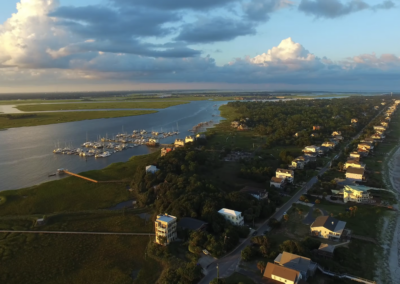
(206, 252)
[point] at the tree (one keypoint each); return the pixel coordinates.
(351, 210)
(355, 208)
(247, 253)
(306, 201)
(302, 198)
(218, 281)
(317, 201)
(261, 265)
(340, 166)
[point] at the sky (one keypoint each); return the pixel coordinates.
(101, 45)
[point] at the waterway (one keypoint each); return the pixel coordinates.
(26, 158)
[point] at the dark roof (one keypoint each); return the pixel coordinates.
(359, 171)
(190, 223)
(326, 222)
(253, 190)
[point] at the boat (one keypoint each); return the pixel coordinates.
(57, 151)
(103, 155)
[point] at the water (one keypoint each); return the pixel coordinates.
(26, 156)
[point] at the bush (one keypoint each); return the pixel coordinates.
(274, 223)
(248, 253)
(3, 200)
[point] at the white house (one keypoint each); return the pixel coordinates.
(189, 139)
(354, 164)
(356, 174)
(327, 227)
(166, 226)
(313, 149)
(277, 182)
(151, 169)
(179, 143)
(281, 274)
(285, 174)
(356, 193)
(235, 217)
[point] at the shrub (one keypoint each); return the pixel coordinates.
(3, 200)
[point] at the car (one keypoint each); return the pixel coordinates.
(206, 252)
(254, 233)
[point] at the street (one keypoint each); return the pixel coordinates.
(229, 262)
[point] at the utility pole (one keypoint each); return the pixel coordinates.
(217, 273)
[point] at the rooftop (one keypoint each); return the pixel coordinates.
(277, 180)
(358, 171)
(329, 223)
(327, 248)
(283, 272)
(293, 261)
(284, 171)
(166, 218)
(230, 212)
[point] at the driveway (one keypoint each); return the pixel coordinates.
(205, 261)
(309, 219)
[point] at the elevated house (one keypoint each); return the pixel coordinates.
(338, 138)
(280, 274)
(377, 136)
(258, 193)
(355, 174)
(235, 217)
(288, 175)
(190, 139)
(165, 229)
(354, 164)
(388, 118)
(277, 182)
(357, 193)
(300, 162)
(368, 140)
(179, 143)
(385, 124)
(327, 227)
(323, 150)
(362, 152)
(336, 133)
(296, 262)
(366, 146)
(151, 169)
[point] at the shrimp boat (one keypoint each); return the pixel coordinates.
(152, 142)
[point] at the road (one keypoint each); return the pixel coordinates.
(77, 233)
(229, 262)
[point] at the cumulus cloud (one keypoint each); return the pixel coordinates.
(208, 30)
(337, 8)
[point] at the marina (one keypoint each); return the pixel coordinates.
(34, 152)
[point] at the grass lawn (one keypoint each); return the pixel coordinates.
(34, 119)
(98, 105)
(59, 259)
(74, 194)
(237, 278)
(293, 228)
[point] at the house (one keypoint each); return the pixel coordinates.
(317, 127)
(235, 217)
(377, 136)
(355, 155)
(388, 118)
(300, 162)
(366, 146)
(40, 222)
(354, 164)
(376, 107)
(356, 193)
(312, 149)
(379, 127)
(368, 140)
(336, 133)
(323, 150)
(338, 138)
(281, 274)
(296, 262)
(326, 250)
(313, 135)
(235, 124)
(384, 124)
(179, 142)
(277, 182)
(243, 127)
(356, 174)
(362, 152)
(151, 169)
(329, 144)
(201, 136)
(327, 227)
(383, 104)
(285, 174)
(354, 120)
(258, 193)
(191, 224)
(189, 139)
(165, 151)
(165, 227)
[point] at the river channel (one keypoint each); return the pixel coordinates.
(26, 156)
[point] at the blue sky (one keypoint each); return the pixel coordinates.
(333, 45)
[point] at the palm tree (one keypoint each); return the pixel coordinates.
(355, 209)
(261, 266)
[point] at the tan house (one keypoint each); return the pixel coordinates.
(377, 136)
(388, 118)
(281, 274)
(356, 174)
(179, 143)
(354, 164)
(355, 155)
(312, 149)
(277, 182)
(336, 133)
(354, 120)
(327, 227)
(285, 174)
(165, 229)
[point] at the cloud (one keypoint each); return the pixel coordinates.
(260, 10)
(176, 4)
(336, 8)
(207, 30)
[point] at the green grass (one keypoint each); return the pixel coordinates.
(98, 105)
(236, 278)
(19, 120)
(74, 194)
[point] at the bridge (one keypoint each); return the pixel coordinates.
(64, 171)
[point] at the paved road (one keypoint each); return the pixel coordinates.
(229, 262)
(77, 233)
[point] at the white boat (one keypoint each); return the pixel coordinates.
(103, 155)
(57, 151)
